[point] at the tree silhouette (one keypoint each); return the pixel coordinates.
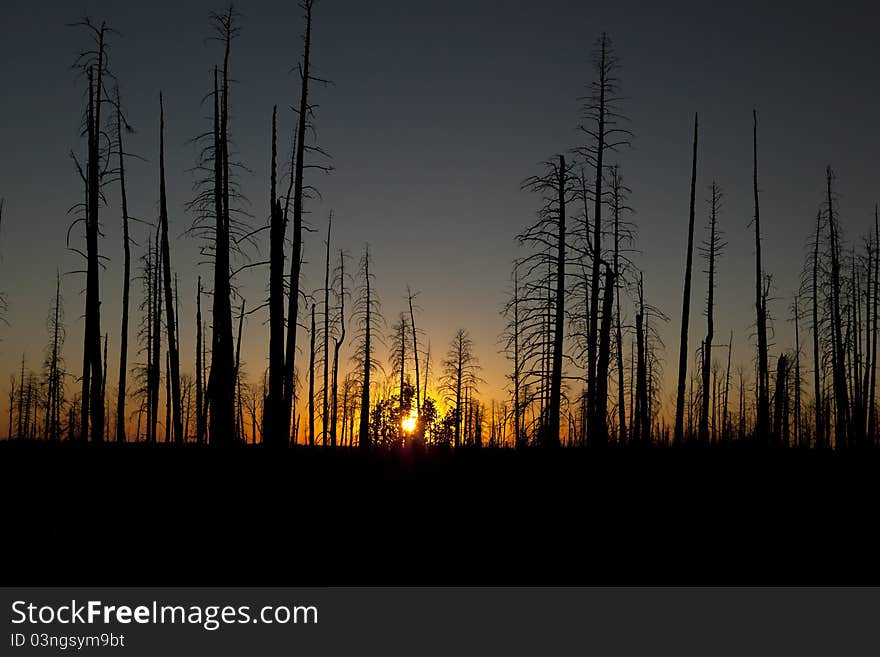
(686, 300)
(366, 316)
(602, 122)
(763, 410)
(173, 372)
(712, 248)
(93, 63)
(460, 375)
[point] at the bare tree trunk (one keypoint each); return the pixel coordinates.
(817, 361)
(551, 426)
(325, 391)
(126, 278)
(412, 323)
(604, 360)
(296, 255)
(840, 384)
(157, 337)
(763, 419)
(797, 375)
(710, 318)
(686, 300)
(312, 381)
(872, 401)
(176, 428)
(364, 425)
(221, 380)
(276, 429)
(200, 414)
(237, 376)
(337, 345)
(92, 379)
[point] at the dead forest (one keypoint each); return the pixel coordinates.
(586, 365)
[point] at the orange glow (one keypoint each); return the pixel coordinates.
(410, 422)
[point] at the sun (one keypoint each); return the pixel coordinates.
(409, 423)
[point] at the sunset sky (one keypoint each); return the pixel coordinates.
(437, 113)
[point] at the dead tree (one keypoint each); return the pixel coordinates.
(548, 235)
(600, 427)
(237, 376)
(215, 203)
(763, 411)
(415, 342)
(686, 300)
(817, 360)
(94, 64)
(780, 416)
(340, 295)
(276, 430)
(872, 412)
(298, 192)
(173, 359)
(841, 396)
(460, 375)
(126, 274)
(367, 316)
(711, 250)
(602, 124)
(54, 367)
(200, 410)
(312, 381)
(326, 335)
(512, 347)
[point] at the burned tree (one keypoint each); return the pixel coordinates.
(602, 124)
(276, 429)
(711, 249)
(763, 411)
(686, 299)
(341, 294)
(93, 63)
(460, 377)
(170, 315)
(367, 317)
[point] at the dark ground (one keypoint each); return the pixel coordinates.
(135, 515)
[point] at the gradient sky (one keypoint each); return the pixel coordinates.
(438, 112)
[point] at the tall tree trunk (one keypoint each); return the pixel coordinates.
(176, 428)
(710, 320)
(621, 402)
(296, 255)
(364, 424)
(200, 412)
(92, 379)
(817, 361)
(797, 375)
(325, 399)
(126, 278)
(221, 379)
(312, 381)
(157, 336)
(595, 282)
(604, 360)
(412, 323)
(237, 377)
(276, 430)
(551, 426)
(686, 300)
(337, 345)
(840, 383)
(872, 401)
(763, 419)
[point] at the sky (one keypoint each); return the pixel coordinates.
(437, 113)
